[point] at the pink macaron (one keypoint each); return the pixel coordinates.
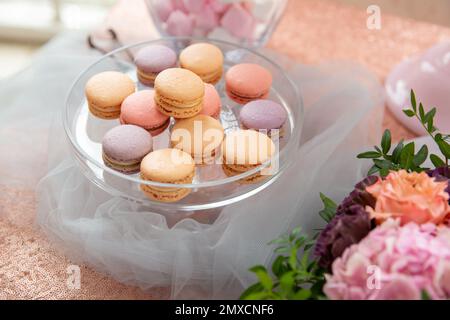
(247, 82)
(211, 102)
(140, 109)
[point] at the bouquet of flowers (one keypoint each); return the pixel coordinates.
(389, 239)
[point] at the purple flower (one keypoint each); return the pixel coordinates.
(349, 226)
(344, 230)
(441, 174)
(359, 196)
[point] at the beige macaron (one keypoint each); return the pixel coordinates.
(244, 150)
(204, 59)
(106, 91)
(167, 166)
(200, 136)
(179, 93)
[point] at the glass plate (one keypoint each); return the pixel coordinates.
(211, 188)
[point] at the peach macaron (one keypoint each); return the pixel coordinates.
(200, 136)
(140, 109)
(167, 166)
(179, 93)
(205, 60)
(105, 93)
(245, 150)
(246, 82)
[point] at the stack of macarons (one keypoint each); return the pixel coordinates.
(184, 94)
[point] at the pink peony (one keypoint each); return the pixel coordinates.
(394, 262)
(411, 197)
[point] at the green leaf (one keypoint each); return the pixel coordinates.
(382, 164)
(397, 151)
(302, 294)
(421, 156)
(430, 115)
(373, 170)
(263, 277)
(329, 210)
(293, 258)
(386, 141)
(257, 296)
(277, 266)
(406, 156)
(425, 295)
(413, 101)
(384, 172)
(421, 112)
(255, 288)
(287, 282)
(409, 113)
(444, 147)
(369, 155)
(437, 162)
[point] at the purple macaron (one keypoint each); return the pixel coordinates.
(125, 146)
(153, 59)
(263, 115)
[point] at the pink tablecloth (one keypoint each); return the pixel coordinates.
(311, 31)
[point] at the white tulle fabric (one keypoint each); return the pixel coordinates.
(343, 112)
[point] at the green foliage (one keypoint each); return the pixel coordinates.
(405, 156)
(294, 275)
(329, 210)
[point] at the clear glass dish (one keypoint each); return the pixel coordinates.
(211, 188)
(264, 15)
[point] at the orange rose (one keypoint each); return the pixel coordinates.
(410, 197)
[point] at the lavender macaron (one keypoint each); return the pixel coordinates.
(125, 146)
(263, 115)
(153, 59)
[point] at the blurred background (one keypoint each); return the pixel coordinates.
(25, 25)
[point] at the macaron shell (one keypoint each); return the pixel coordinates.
(123, 147)
(204, 135)
(180, 85)
(204, 59)
(248, 82)
(155, 58)
(247, 148)
(263, 114)
(211, 102)
(109, 89)
(167, 165)
(140, 109)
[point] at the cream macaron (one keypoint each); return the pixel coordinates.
(204, 59)
(106, 91)
(179, 93)
(200, 136)
(244, 150)
(167, 166)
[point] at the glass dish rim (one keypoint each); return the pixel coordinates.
(213, 183)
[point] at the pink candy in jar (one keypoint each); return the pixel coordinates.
(231, 20)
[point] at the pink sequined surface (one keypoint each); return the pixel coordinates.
(311, 31)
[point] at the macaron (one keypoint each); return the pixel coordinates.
(200, 136)
(123, 148)
(179, 93)
(205, 60)
(244, 150)
(167, 166)
(247, 82)
(140, 109)
(153, 59)
(263, 115)
(105, 93)
(212, 105)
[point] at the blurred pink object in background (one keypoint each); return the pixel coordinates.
(429, 76)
